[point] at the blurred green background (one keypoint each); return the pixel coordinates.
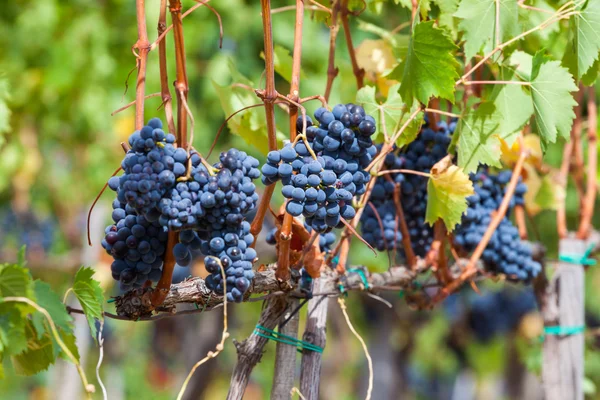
(65, 66)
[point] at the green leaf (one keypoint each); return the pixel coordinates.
(589, 78)
(282, 61)
(38, 356)
(412, 130)
(530, 19)
(513, 105)
(522, 63)
(12, 331)
(15, 281)
(585, 30)
(429, 69)
(478, 140)
(553, 102)
(251, 123)
(89, 293)
(389, 115)
(447, 191)
(52, 303)
(446, 16)
(479, 24)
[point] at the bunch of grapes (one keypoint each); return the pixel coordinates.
(322, 174)
(379, 221)
(505, 253)
(137, 246)
(167, 188)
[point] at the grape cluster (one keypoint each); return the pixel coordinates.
(379, 221)
(151, 168)
(231, 249)
(210, 202)
(322, 174)
(167, 188)
(505, 252)
(29, 228)
(137, 246)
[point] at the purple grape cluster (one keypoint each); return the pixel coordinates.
(505, 252)
(168, 188)
(379, 221)
(137, 246)
(321, 186)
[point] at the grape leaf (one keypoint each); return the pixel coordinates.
(282, 61)
(530, 19)
(90, 297)
(513, 105)
(551, 87)
(250, 124)
(14, 281)
(446, 16)
(52, 303)
(479, 23)
(12, 331)
(479, 140)
(38, 356)
(430, 67)
(585, 29)
(447, 191)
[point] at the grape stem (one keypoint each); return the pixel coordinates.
(564, 12)
(577, 165)
(591, 188)
(520, 220)
(285, 236)
(143, 48)
(334, 28)
(270, 95)
(343, 307)
(411, 258)
(181, 87)
(200, 3)
(563, 175)
(359, 72)
(162, 63)
(125, 107)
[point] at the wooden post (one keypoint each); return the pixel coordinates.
(315, 333)
(285, 355)
(563, 305)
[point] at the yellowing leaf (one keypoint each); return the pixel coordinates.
(375, 57)
(447, 190)
(531, 142)
(543, 192)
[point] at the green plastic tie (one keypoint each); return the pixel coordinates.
(558, 330)
(579, 259)
(281, 338)
(110, 300)
(563, 330)
(363, 277)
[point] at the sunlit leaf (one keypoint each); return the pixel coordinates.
(447, 191)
